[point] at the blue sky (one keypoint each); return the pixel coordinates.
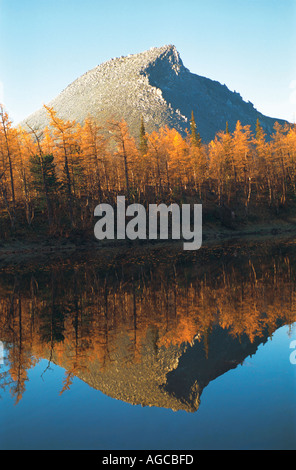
(247, 44)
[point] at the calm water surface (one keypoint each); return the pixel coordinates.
(158, 350)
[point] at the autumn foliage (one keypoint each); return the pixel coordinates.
(55, 177)
(106, 313)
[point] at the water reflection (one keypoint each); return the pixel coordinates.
(151, 330)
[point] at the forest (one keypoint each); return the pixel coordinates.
(52, 179)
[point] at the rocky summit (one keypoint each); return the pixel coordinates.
(156, 85)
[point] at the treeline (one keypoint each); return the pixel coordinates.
(56, 176)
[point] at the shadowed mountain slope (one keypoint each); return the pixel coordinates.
(156, 85)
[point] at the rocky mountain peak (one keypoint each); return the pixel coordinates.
(167, 54)
(156, 85)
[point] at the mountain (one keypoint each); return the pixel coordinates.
(171, 377)
(156, 85)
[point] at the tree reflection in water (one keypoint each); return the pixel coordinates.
(153, 329)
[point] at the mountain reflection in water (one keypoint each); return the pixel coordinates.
(151, 330)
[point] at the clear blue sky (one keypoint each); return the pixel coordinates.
(247, 44)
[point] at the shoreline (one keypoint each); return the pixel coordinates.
(17, 251)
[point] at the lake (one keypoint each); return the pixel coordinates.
(151, 348)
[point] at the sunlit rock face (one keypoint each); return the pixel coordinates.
(156, 85)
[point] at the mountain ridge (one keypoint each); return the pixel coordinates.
(154, 84)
